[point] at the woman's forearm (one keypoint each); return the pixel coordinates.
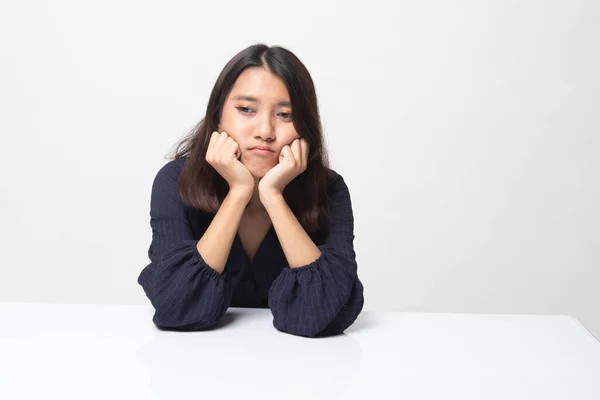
(298, 247)
(215, 244)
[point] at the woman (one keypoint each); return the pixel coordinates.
(248, 213)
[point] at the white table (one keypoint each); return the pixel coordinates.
(52, 351)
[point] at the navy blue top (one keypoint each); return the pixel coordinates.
(317, 299)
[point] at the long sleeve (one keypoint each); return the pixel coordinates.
(324, 297)
(186, 293)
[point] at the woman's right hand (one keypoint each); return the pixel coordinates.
(223, 154)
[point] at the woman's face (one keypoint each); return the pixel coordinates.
(257, 112)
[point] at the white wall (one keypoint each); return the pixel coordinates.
(468, 134)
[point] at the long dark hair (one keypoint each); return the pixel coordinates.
(201, 186)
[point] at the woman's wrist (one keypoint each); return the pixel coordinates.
(239, 193)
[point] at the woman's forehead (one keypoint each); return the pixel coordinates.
(260, 85)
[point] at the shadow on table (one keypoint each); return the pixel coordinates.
(228, 363)
(227, 319)
(364, 322)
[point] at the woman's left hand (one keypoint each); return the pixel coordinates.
(292, 162)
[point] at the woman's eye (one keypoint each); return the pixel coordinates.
(245, 110)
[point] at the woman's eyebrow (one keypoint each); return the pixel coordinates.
(255, 100)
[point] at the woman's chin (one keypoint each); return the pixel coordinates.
(258, 171)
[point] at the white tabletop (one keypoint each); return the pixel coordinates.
(79, 352)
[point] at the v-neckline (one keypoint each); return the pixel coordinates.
(258, 250)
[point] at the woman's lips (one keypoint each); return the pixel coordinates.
(261, 152)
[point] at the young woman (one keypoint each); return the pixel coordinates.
(248, 212)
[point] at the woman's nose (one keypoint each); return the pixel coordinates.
(265, 129)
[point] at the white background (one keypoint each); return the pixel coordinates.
(467, 132)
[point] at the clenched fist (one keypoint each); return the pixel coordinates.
(223, 154)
